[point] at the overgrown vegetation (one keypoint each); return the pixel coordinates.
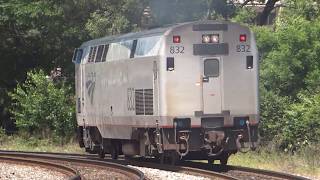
(304, 162)
(18, 143)
(289, 78)
(43, 108)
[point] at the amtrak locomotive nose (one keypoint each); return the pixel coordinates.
(188, 91)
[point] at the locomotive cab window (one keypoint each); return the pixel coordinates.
(211, 67)
(119, 50)
(148, 46)
(77, 56)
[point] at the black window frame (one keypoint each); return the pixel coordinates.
(249, 62)
(170, 63)
(212, 74)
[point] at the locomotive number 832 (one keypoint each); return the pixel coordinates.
(188, 91)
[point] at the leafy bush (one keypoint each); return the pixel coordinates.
(266, 40)
(272, 114)
(302, 125)
(42, 107)
(289, 81)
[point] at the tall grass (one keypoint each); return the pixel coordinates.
(19, 143)
(305, 162)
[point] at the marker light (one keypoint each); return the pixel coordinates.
(215, 38)
(176, 39)
(243, 38)
(206, 38)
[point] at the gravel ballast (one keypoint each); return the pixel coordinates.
(17, 172)
(156, 174)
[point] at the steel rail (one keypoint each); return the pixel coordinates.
(49, 153)
(128, 171)
(266, 172)
(241, 169)
(134, 162)
(181, 169)
(190, 167)
(74, 175)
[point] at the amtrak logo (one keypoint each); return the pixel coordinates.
(90, 85)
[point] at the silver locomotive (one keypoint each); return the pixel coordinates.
(189, 90)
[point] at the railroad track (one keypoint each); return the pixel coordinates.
(233, 172)
(245, 172)
(181, 169)
(69, 172)
(186, 167)
(123, 162)
(87, 168)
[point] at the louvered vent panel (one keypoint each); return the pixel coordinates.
(90, 54)
(144, 101)
(139, 102)
(94, 54)
(148, 101)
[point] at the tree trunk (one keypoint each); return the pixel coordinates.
(263, 19)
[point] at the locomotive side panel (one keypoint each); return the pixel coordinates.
(112, 97)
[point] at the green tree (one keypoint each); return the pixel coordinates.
(43, 34)
(308, 9)
(302, 125)
(177, 11)
(115, 17)
(245, 15)
(42, 107)
(293, 62)
(289, 76)
(34, 34)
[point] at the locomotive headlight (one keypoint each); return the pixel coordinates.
(206, 38)
(215, 38)
(210, 38)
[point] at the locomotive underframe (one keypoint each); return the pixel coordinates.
(212, 140)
